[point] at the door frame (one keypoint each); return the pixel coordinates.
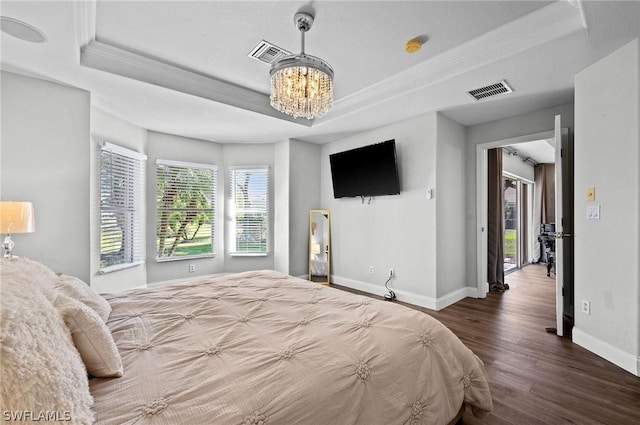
(482, 285)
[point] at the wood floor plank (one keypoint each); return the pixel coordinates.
(536, 377)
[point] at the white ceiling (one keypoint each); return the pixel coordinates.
(541, 151)
(181, 67)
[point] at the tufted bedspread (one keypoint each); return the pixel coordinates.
(266, 348)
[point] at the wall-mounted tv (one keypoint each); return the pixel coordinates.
(367, 171)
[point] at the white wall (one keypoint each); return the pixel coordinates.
(304, 195)
(607, 157)
(49, 157)
(515, 165)
(177, 148)
(250, 154)
(281, 184)
(396, 231)
(450, 208)
(297, 190)
(45, 160)
(108, 127)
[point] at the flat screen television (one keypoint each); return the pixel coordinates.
(367, 171)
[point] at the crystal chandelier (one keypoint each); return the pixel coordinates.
(302, 85)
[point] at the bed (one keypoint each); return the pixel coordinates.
(265, 348)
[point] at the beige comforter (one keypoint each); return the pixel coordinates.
(267, 348)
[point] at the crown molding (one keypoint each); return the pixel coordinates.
(116, 60)
(535, 29)
(85, 19)
(542, 26)
(106, 57)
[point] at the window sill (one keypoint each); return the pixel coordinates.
(116, 267)
(248, 254)
(186, 257)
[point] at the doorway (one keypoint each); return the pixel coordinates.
(564, 277)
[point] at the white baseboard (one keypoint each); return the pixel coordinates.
(407, 296)
(455, 296)
(615, 355)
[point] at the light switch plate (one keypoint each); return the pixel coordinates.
(593, 212)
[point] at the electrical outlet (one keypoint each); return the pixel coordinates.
(392, 273)
(586, 307)
(192, 268)
(370, 269)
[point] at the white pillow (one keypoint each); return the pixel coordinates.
(39, 275)
(41, 369)
(91, 337)
(77, 289)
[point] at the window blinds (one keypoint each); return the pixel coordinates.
(185, 199)
(250, 200)
(121, 194)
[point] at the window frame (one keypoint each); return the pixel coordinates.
(211, 211)
(234, 210)
(133, 208)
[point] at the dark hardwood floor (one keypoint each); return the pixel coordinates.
(538, 378)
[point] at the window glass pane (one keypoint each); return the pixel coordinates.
(510, 209)
(121, 191)
(186, 205)
(250, 191)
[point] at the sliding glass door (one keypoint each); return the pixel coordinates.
(510, 234)
(516, 219)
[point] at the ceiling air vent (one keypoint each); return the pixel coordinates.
(491, 90)
(267, 52)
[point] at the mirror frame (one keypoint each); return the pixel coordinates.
(327, 215)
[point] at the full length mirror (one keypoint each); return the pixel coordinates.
(319, 246)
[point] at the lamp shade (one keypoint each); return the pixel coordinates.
(17, 217)
(315, 248)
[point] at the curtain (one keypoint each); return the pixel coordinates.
(539, 208)
(544, 205)
(549, 214)
(495, 226)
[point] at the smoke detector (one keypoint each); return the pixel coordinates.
(21, 30)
